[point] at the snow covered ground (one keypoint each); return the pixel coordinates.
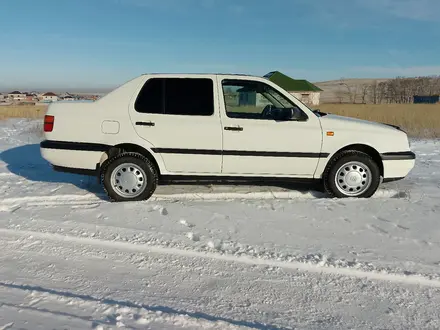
(214, 257)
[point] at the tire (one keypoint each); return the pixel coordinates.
(129, 177)
(351, 174)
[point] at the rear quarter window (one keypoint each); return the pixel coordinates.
(177, 96)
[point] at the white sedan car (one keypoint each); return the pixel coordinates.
(218, 127)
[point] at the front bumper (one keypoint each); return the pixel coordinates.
(402, 155)
(397, 168)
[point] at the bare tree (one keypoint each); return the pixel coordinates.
(342, 95)
(397, 90)
(352, 91)
(365, 91)
(374, 91)
(382, 92)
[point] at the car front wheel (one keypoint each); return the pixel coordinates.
(352, 174)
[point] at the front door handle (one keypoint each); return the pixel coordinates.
(145, 123)
(233, 128)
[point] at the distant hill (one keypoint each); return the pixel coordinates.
(333, 89)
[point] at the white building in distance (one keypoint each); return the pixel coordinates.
(49, 97)
(16, 96)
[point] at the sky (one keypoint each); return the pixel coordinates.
(104, 43)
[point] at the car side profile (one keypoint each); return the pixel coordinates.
(218, 127)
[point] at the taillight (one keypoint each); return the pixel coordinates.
(48, 123)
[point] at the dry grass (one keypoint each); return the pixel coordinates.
(25, 111)
(418, 120)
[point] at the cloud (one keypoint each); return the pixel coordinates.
(386, 71)
(236, 9)
(421, 10)
(340, 14)
(96, 41)
(343, 13)
(185, 6)
(174, 5)
(349, 14)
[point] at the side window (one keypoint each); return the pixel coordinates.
(151, 96)
(252, 100)
(177, 96)
(190, 97)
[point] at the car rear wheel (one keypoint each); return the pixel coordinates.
(352, 174)
(129, 177)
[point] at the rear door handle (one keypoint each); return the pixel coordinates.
(145, 123)
(233, 128)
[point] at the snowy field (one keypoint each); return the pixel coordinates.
(214, 257)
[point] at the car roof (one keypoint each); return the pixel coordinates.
(198, 74)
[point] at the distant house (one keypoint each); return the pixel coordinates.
(30, 97)
(431, 99)
(67, 97)
(16, 96)
(303, 90)
(49, 97)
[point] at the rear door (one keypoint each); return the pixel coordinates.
(256, 144)
(179, 117)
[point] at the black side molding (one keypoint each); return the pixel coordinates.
(240, 153)
(275, 154)
(79, 146)
(84, 146)
(186, 151)
(402, 155)
(235, 179)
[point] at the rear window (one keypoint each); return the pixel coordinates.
(177, 96)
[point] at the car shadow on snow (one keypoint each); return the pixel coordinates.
(111, 302)
(26, 161)
(313, 189)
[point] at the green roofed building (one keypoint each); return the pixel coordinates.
(301, 89)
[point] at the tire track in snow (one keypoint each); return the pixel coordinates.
(109, 313)
(293, 265)
(7, 326)
(59, 200)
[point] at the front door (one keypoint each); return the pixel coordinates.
(256, 144)
(179, 118)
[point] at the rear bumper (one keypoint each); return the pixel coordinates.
(70, 155)
(85, 160)
(80, 171)
(75, 146)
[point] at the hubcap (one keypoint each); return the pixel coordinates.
(128, 180)
(353, 178)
